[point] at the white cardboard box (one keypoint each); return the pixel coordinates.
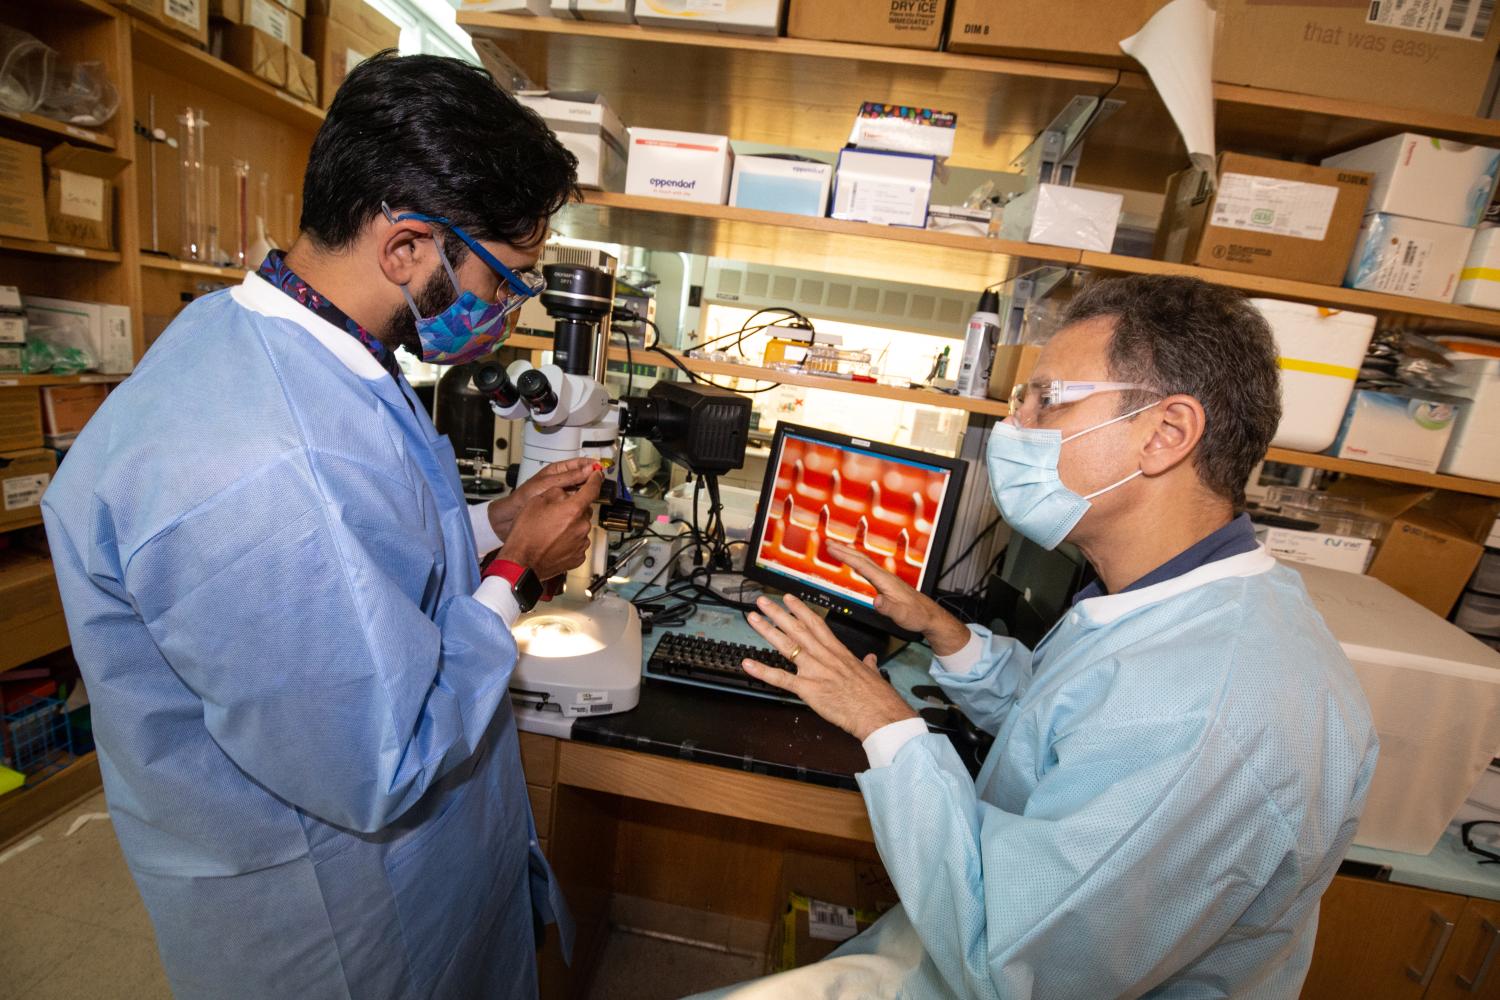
(1474, 449)
(101, 329)
(778, 184)
(890, 189)
(593, 10)
(1479, 281)
(1405, 256)
(1425, 178)
(537, 8)
(1390, 429)
(1316, 548)
(590, 130)
(903, 129)
(745, 17)
(683, 166)
(1063, 217)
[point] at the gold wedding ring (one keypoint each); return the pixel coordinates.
(792, 656)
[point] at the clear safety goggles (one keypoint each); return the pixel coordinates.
(524, 285)
(1031, 398)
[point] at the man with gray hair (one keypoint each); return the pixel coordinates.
(1179, 765)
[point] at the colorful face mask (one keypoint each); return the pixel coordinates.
(470, 328)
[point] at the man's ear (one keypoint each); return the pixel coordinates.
(1179, 425)
(403, 248)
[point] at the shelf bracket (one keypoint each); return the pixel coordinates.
(1052, 157)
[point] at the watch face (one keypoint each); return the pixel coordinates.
(528, 590)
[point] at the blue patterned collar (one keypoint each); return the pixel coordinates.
(274, 270)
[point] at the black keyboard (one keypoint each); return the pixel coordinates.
(698, 658)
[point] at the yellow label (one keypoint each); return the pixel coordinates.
(1479, 274)
(1318, 368)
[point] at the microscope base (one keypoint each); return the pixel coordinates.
(577, 658)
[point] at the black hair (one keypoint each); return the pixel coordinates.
(437, 136)
(1183, 335)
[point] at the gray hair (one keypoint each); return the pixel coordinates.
(1183, 335)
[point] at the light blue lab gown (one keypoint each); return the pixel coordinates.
(1176, 776)
(301, 713)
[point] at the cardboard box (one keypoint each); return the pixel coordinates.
(683, 166)
(1479, 281)
(251, 50)
(66, 408)
(1266, 217)
(298, 7)
(594, 10)
(337, 50)
(264, 15)
(742, 17)
(1062, 216)
(81, 196)
(1061, 30)
(23, 203)
(1409, 257)
(589, 128)
(20, 418)
(1349, 49)
(824, 901)
(1434, 540)
(914, 25)
(1404, 430)
(31, 611)
(901, 128)
(187, 18)
(1013, 365)
(1425, 178)
(889, 189)
(301, 76)
(10, 357)
(360, 18)
(527, 8)
(12, 317)
(101, 329)
(781, 184)
(24, 477)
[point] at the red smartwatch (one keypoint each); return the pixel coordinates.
(523, 582)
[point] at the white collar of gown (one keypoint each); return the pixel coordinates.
(260, 296)
(1108, 608)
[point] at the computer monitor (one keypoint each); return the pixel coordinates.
(895, 504)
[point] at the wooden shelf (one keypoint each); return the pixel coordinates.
(30, 522)
(1472, 319)
(741, 86)
(85, 378)
(926, 397)
(888, 253)
(49, 249)
(1389, 473)
(49, 129)
(787, 91)
(197, 68)
(152, 263)
(27, 808)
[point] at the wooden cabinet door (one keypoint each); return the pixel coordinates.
(1379, 941)
(1471, 966)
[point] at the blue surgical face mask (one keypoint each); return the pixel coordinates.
(468, 329)
(1025, 485)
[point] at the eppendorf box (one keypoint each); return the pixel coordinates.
(684, 166)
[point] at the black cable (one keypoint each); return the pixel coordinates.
(977, 539)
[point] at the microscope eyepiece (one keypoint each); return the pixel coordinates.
(534, 388)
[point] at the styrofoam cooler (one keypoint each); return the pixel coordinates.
(1434, 696)
(1474, 448)
(1320, 351)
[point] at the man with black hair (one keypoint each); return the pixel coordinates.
(272, 580)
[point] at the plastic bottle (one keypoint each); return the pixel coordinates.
(980, 338)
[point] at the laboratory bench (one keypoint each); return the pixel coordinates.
(673, 819)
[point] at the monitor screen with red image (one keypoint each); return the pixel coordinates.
(893, 504)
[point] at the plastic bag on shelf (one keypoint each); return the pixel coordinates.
(33, 78)
(26, 67)
(80, 94)
(41, 358)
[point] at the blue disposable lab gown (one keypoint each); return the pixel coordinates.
(301, 713)
(1177, 774)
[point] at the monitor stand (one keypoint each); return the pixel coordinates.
(863, 639)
